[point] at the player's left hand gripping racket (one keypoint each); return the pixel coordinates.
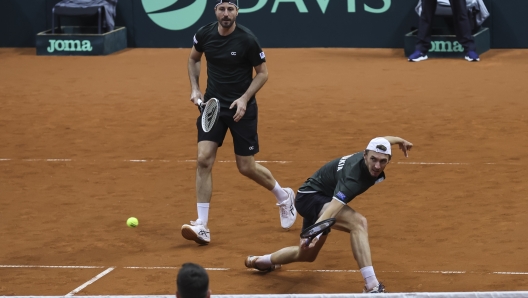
(316, 229)
(210, 113)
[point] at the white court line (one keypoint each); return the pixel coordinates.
(41, 266)
(233, 161)
(444, 272)
(493, 294)
(288, 270)
(436, 163)
(397, 271)
(261, 161)
(151, 267)
(49, 159)
(146, 160)
(176, 268)
(340, 271)
(91, 281)
(344, 271)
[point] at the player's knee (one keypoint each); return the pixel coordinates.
(363, 222)
(358, 224)
(204, 161)
(246, 169)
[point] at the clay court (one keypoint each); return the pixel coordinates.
(89, 141)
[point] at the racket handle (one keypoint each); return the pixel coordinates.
(199, 102)
(310, 239)
(315, 237)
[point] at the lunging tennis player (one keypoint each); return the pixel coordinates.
(232, 52)
(326, 195)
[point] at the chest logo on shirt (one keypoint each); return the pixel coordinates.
(233, 53)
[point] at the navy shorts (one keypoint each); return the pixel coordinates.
(244, 132)
(309, 205)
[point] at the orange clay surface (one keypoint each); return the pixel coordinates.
(73, 129)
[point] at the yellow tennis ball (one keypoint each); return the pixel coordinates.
(132, 222)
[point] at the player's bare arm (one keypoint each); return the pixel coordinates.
(404, 145)
(193, 66)
(258, 81)
(330, 211)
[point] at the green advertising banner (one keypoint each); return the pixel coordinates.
(277, 23)
(281, 23)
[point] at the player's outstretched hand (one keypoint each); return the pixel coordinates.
(405, 146)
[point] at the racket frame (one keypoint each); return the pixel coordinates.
(330, 222)
(203, 110)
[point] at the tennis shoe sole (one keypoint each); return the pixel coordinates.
(197, 234)
(418, 59)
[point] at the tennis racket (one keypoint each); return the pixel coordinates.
(316, 229)
(210, 112)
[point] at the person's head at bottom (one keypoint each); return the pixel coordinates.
(192, 282)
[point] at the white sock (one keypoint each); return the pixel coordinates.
(203, 212)
(370, 277)
(280, 194)
(265, 261)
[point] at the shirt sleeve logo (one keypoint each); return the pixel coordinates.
(194, 39)
(262, 56)
(341, 196)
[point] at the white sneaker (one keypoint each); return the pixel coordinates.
(197, 232)
(287, 210)
(380, 288)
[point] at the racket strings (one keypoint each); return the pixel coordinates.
(209, 115)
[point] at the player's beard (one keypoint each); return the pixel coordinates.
(227, 23)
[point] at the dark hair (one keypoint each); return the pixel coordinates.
(192, 281)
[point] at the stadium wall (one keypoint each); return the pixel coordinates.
(277, 23)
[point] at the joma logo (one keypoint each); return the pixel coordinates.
(69, 45)
(446, 46)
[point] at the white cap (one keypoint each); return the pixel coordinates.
(380, 145)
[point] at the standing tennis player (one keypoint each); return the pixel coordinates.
(232, 52)
(326, 195)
